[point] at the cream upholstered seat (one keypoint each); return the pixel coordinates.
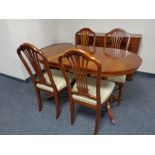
(105, 90)
(58, 80)
(117, 79)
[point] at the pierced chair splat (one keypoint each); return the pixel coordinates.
(85, 38)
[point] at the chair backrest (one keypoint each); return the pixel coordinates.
(79, 61)
(85, 38)
(36, 64)
(115, 37)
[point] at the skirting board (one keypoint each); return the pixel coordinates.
(145, 74)
(14, 78)
(26, 80)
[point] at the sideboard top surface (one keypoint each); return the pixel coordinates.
(132, 35)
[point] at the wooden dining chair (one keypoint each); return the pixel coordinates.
(44, 79)
(91, 92)
(85, 38)
(117, 38)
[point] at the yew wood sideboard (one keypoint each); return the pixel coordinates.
(133, 46)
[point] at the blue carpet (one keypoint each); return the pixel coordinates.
(19, 114)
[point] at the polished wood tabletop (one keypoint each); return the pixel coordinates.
(114, 61)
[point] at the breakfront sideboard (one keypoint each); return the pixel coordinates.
(133, 46)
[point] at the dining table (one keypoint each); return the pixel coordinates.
(114, 62)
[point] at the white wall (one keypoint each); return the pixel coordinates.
(14, 32)
(44, 32)
(67, 29)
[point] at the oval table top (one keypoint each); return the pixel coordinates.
(114, 61)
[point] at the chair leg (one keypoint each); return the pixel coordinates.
(120, 96)
(110, 113)
(39, 99)
(98, 113)
(57, 106)
(72, 112)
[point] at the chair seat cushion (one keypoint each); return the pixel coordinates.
(105, 90)
(118, 79)
(58, 79)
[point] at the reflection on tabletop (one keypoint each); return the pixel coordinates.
(115, 53)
